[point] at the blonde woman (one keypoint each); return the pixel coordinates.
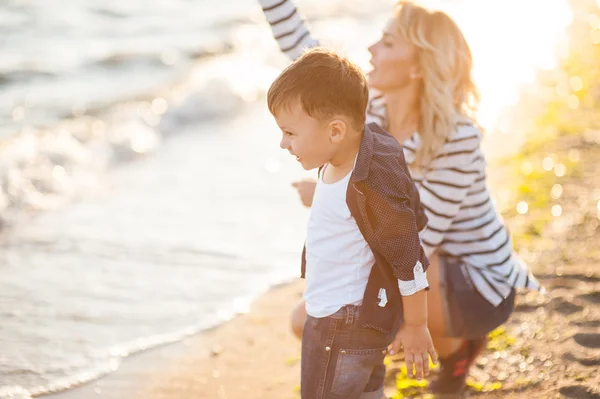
(426, 100)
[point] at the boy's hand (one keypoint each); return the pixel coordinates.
(417, 349)
(306, 190)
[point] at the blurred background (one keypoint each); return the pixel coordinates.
(143, 195)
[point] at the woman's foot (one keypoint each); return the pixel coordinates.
(452, 377)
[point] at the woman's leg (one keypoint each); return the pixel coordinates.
(457, 310)
(436, 311)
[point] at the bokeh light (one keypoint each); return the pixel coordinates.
(548, 164)
(523, 207)
(557, 191)
(556, 210)
(573, 101)
(526, 168)
(576, 83)
(159, 105)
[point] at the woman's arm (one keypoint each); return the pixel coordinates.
(293, 36)
(289, 29)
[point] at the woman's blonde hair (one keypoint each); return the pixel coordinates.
(444, 59)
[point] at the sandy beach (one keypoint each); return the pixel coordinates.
(549, 349)
(253, 356)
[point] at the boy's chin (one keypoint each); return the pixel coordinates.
(307, 166)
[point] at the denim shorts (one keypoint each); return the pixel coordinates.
(342, 360)
(468, 314)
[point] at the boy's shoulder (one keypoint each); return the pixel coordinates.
(382, 140)
(388, 157)
(389, 176)
(387, 152)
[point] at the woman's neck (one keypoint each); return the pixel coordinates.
(403, 114)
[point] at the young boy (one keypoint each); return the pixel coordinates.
(363, 262)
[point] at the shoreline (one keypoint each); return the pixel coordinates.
(221, 362)
(550, 348)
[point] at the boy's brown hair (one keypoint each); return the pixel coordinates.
(326, 84)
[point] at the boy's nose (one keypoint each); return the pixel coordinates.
(284, 144)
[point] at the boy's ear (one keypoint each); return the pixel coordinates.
(337, 130)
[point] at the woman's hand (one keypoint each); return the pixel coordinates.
(418, 346)
(306, 190)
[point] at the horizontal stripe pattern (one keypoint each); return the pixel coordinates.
(289, 29)
(463, 222)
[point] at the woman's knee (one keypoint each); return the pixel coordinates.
(435, 298)
(298, 319)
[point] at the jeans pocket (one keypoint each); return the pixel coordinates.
(353, 370)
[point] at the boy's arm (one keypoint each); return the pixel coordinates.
(289, 29)
(396, 238)
(414, 336)
(395, 231)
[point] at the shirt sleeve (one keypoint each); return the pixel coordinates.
(395, 233)
(293, 37)
(289, 29)
(415, 285)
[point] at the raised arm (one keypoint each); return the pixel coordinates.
(293, 36)
(289, 29)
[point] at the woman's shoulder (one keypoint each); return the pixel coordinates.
(466, 131)
(462, 147)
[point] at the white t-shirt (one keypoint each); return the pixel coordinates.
(338, 259)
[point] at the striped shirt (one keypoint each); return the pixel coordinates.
(463, 222)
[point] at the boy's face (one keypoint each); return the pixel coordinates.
(312, 142)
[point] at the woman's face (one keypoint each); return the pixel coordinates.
(394, 61)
